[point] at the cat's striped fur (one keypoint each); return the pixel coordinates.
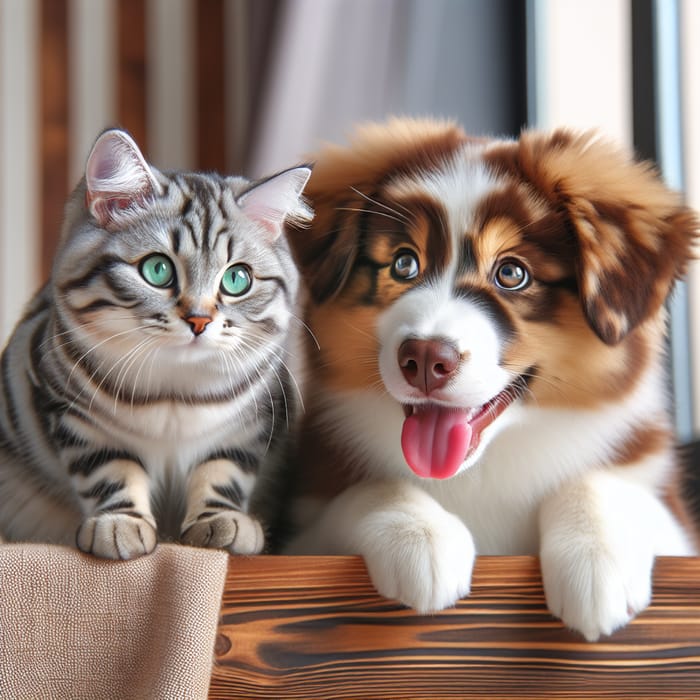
(145, 397)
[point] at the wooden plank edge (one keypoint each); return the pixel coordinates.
(314, 627)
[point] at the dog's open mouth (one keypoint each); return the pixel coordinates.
(437, 439)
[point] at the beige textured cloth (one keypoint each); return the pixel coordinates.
(73, 626)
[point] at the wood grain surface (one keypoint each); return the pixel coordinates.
(313, 627)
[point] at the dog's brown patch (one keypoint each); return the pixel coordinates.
(376, 151)
(643, 441)
(631, 231)
(323, 465)
(348, 356)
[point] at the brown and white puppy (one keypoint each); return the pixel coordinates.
(490, 376)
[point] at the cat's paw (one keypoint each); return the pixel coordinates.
(595, 590)
(426, 563)
(232, 530)
(116, 536)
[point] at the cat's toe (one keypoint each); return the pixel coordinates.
(234, 531)
(116, 536)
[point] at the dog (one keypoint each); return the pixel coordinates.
(489, 371)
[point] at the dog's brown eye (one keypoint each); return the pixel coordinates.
(512, 276)
(405, 266)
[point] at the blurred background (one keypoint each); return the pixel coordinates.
(250, 86)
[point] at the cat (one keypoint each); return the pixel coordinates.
(147, 391)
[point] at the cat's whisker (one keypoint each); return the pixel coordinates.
(152, 350)
(138, 351)
(359, 210)
(149, 380)
(242, 368)
(74, 331)
(246, 343)
(404, 217)
(95, 347)
(307, 328)
(120, 361)
(272, 412)
(279, 358)
(236, 370)
(250, 345)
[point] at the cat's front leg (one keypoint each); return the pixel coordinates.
(415, 550)
(217, 501)
(114, 491)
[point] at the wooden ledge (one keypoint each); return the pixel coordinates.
(313, 627)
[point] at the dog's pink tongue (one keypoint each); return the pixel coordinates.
(435, 441)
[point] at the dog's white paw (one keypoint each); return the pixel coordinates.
(597, 553)
(424, 562)
(596, 592)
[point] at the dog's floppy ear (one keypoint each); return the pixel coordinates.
(634, 237)
(342, 179)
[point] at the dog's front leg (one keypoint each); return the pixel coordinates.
(599, 537)
(416, 552)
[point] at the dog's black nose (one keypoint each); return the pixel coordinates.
(428, 364)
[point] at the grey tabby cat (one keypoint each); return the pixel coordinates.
(148, 383)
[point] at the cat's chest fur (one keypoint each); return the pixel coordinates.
(168, 435)
(172, 421)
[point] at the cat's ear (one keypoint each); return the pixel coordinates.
(277, 199)
(117, 177)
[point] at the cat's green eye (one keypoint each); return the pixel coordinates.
(157, 270)
(237, 280)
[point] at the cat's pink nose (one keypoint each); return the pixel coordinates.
(198, 323)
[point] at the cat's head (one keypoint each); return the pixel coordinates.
(182, 265)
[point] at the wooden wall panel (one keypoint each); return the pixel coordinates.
(211, 115)
(131, 67)
(53, 124)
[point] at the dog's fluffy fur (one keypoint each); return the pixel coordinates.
(539, 268)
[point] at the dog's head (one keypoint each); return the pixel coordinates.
(462, 276)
